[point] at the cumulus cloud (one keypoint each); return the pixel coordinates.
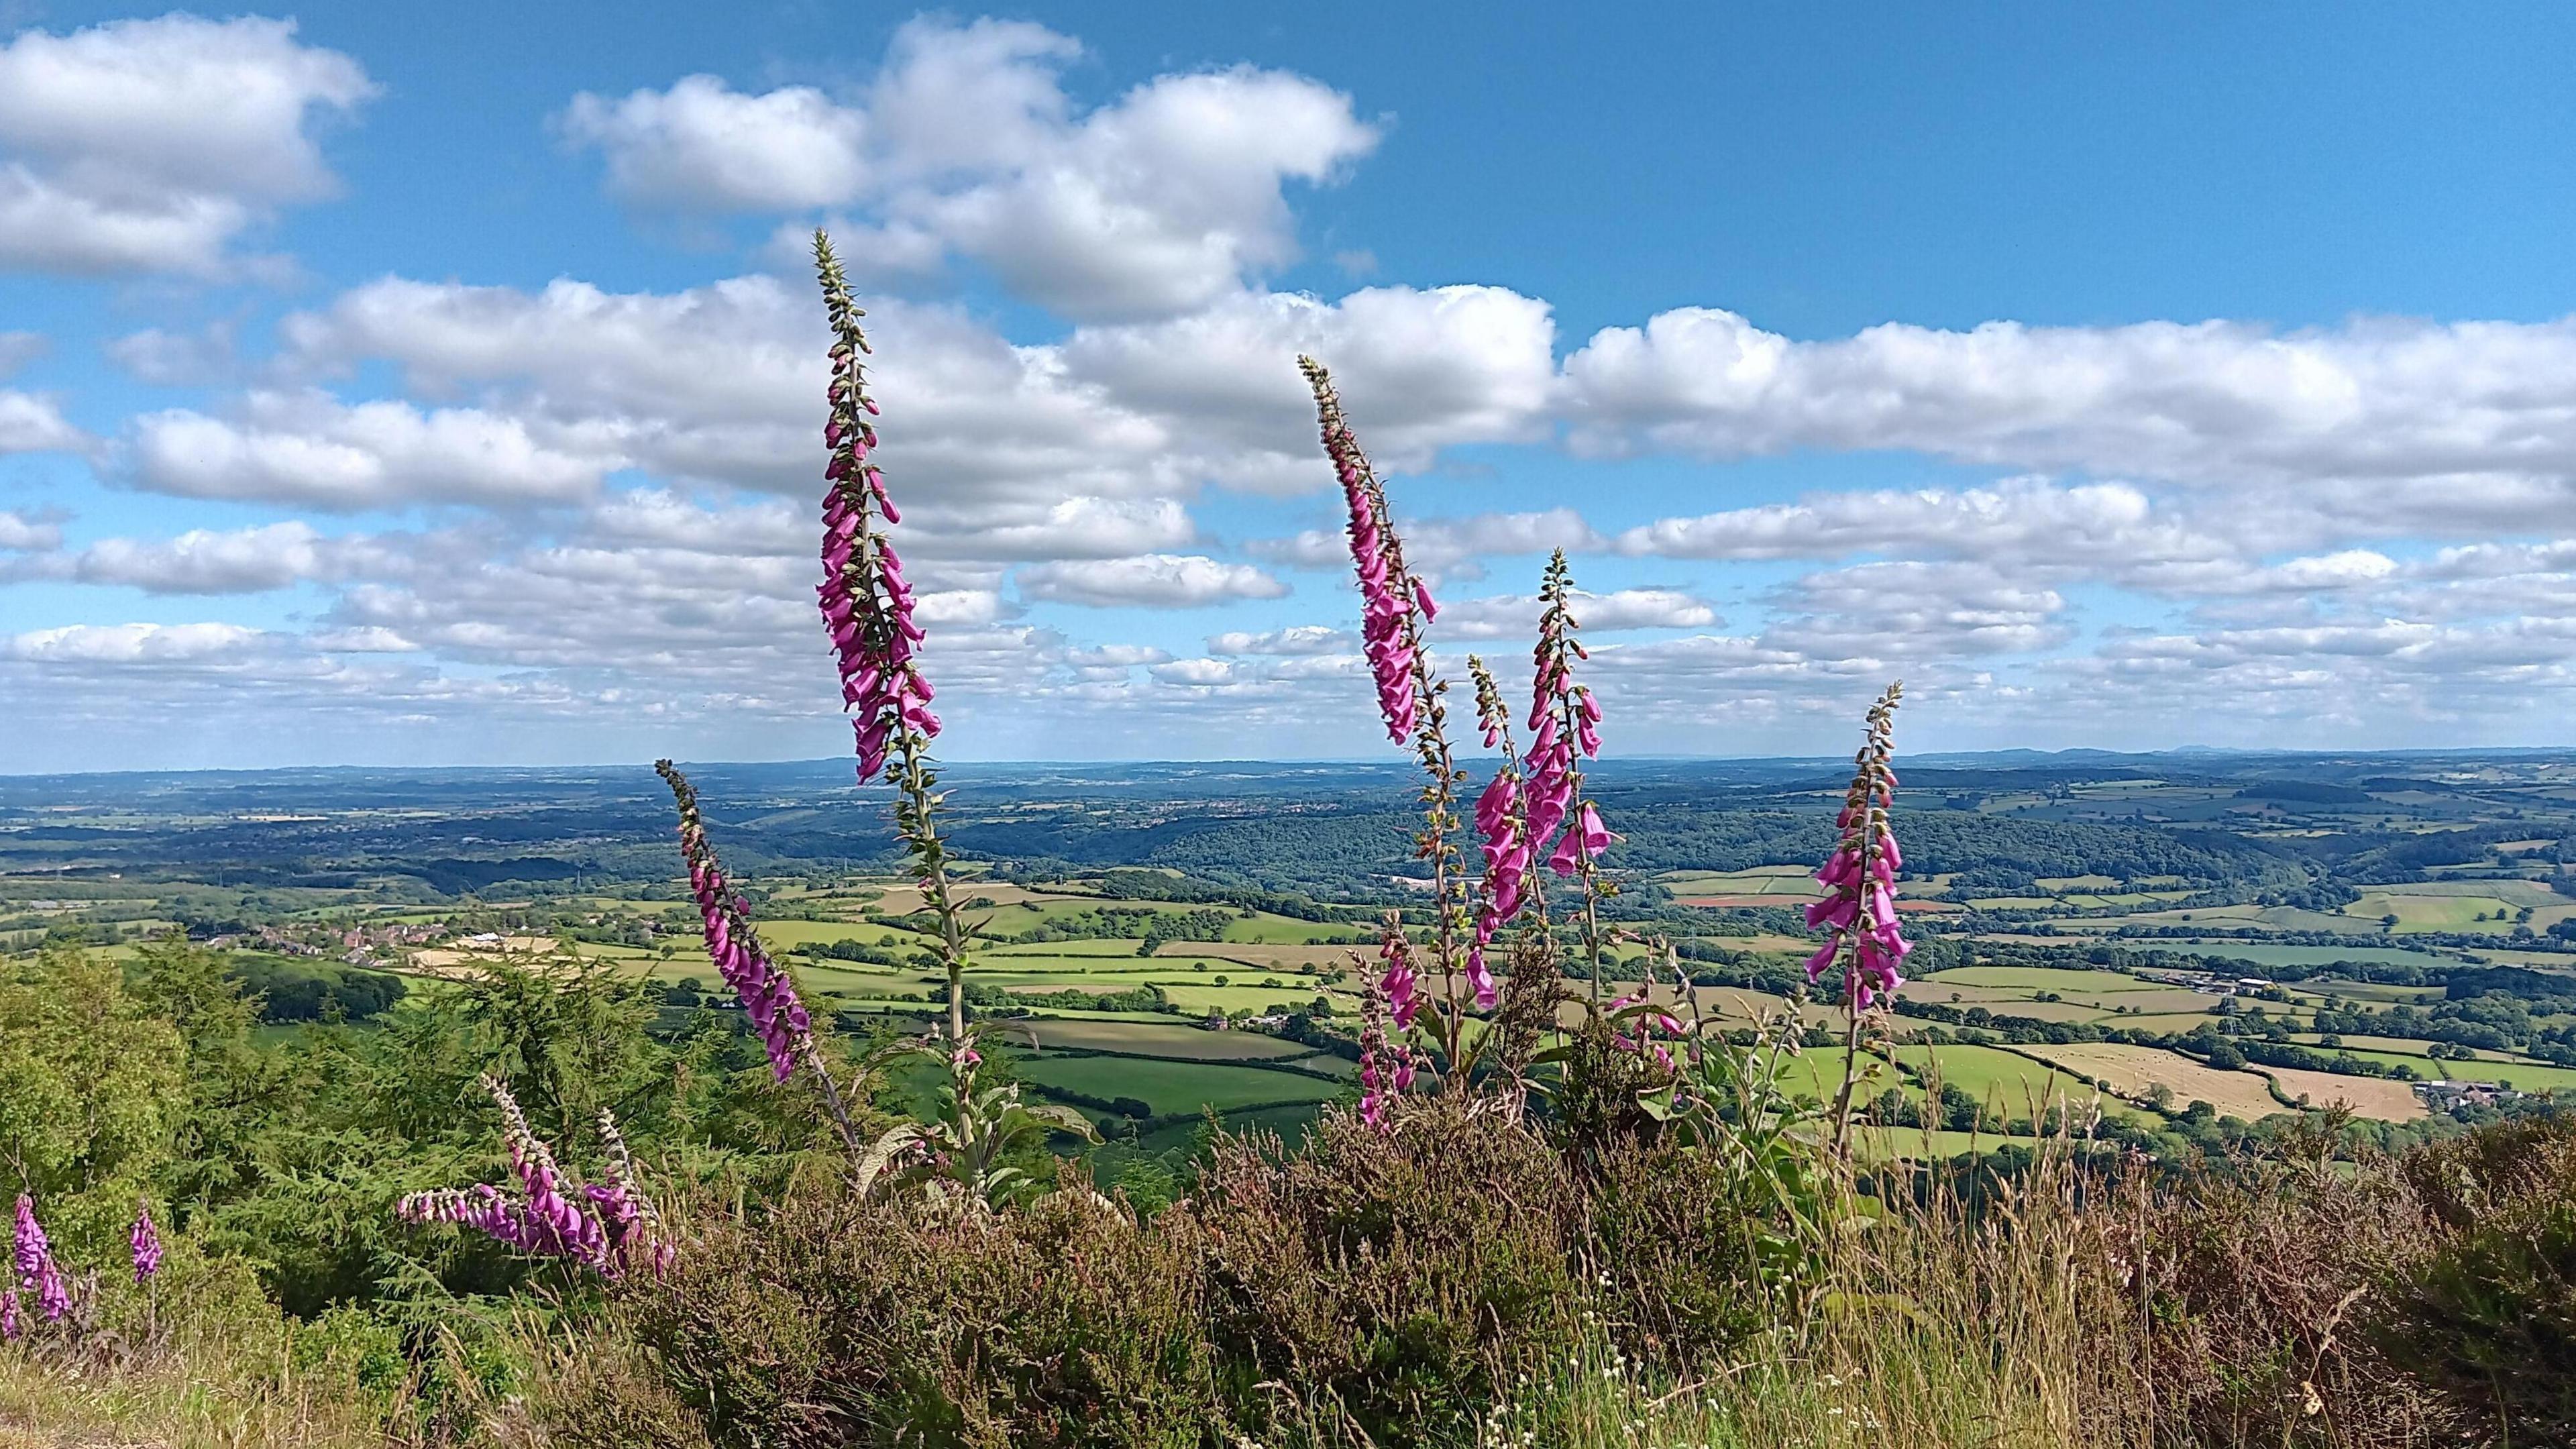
(203, 561)
(310, 449)
(123, 644)
(965, 141)
(34, 423)
(152, 145)
(1295, 640)
(1156, 580)
(703, 144)
(22, 534)
(2418, 425)
(1515, 616)
(1913, 610)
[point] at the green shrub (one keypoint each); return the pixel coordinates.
(2488, 1317)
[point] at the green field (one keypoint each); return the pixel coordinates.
(1175, 1086)
(2005, 1080)
(1150, 1038)
(2264, 953)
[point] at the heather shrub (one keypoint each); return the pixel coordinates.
(837, 1320)
(2488, 1316)
(1693, 1265)
(2255, 1280)
(1396, 1275)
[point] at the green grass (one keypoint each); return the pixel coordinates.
(2040, 978)
(1174, 1086)
(2007, 1081)
(1152, 1038)
(2522, 1076)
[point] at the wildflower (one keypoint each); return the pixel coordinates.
(768, 996)
(1393, 604)
(1376, 1072)
(146, 1241)
(34, 1259)
(1395, 607)
(1565, 722)
(539, 1219)
(632, 1223)
(1402, 986)
(31, 1251)
(1858, 912)
(867, 603)
(10, 1328)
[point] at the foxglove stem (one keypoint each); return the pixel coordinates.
(146, 1243)
(868, 607)
(866, 602)
(768, 993)
(634, 1225)
(1511, 885)
(1858, 913)
(34, 1259)
(1377, 1071)
(600, 1226)
(1565, 725)
(1394, 608)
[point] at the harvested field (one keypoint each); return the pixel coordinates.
(2380, 1097)
(2132, 1070)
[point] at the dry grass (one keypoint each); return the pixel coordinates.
(2132, 1070)
(245, 1393)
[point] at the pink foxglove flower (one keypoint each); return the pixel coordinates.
(1402, 986)
(1377, 1084)
(1393, 604)
(11, 1329)
(1858, 912)
(768, 996)
(606, 1227)
(867, 603)
(1641, 1039)
(33, 1256)
(146, 1242)
(1565, 722)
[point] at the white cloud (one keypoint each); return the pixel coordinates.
(1515, 616)
(702, 143)
(309, 449)
(151, 145)
(177, 359)
(1913, 610)
(80, 644)
(21, 534)
(1154, 580)
(202, 561)
(2405, 425)
(17, 349)
(34, 423)
(1295, 640)
(1160, 201)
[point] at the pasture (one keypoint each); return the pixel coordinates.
(2133, 1070)
(1175, 1086)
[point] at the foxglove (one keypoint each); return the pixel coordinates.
(768, 997)
(146, 1242)
(1858, 912)
(867, 603)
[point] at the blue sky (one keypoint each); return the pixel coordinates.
(381, 384)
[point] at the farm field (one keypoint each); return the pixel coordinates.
(1175, 1086)
(2004, 1079)
(1150, 1038)
(2379, 1097)
(2132, 1070)
(2266, 953)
